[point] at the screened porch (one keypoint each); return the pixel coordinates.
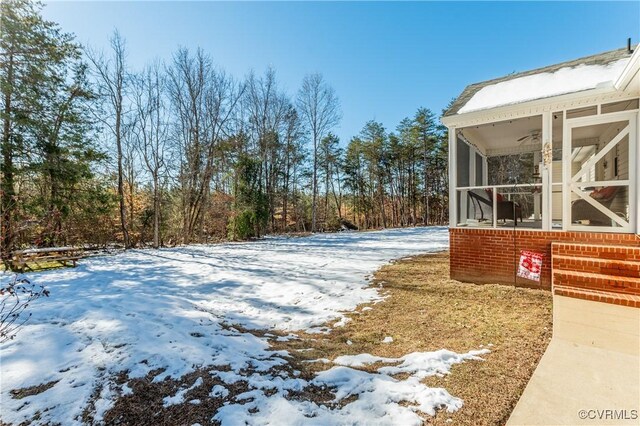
(573, 169)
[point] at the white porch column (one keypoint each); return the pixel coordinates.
(634, 155)
(453, 171)
(566, 173)
(546, 172)
(537, 197)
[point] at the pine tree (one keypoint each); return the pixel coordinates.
(425, 127)
(40, 120)
(63, 147)
(329, 154)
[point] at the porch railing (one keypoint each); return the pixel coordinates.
(486, 205)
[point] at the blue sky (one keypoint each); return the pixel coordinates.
(384, 59)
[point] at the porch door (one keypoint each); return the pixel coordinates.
(599, 173)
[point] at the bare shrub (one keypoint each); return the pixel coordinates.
(15, 297)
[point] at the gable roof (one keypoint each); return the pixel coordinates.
(566, 77)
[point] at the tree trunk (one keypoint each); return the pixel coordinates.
(7, 184)
(123, 209)
(285, 195)
(335, 197)
(314, 184)
(326, 194)
(156, 212)
(382, 212)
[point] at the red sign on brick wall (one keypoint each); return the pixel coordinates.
(530, 265)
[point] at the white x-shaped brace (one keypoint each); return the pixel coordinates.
(575, 188)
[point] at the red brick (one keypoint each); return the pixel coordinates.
(488, 256)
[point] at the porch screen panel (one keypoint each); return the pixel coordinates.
(600, 175)
(462, 164)
(479, 170)
(463, 155)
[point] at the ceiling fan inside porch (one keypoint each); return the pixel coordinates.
(533, 138)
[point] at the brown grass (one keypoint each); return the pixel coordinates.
(426, 311)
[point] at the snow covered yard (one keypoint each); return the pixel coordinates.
(171, 311)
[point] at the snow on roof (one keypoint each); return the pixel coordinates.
(559, 79)
(544, 85)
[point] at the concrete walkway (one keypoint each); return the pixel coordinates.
(590, 373)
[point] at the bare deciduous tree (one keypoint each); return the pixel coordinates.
(112, 79)
(204, 100)
(151, 132)
(267, 108)
(320, 108)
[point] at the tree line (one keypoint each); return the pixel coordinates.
(94, 152)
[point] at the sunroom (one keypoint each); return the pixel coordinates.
(543, 158)
(550, 149)
(544, 193)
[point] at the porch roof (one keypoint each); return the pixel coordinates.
(567, 77)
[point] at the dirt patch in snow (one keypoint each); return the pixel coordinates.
(32, 390)
(144, 404)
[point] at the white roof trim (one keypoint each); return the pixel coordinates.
(536, 107)
(631, 70)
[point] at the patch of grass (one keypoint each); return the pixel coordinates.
(42, 265)
(427, 311)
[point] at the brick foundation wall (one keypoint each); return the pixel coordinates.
(491, 255)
